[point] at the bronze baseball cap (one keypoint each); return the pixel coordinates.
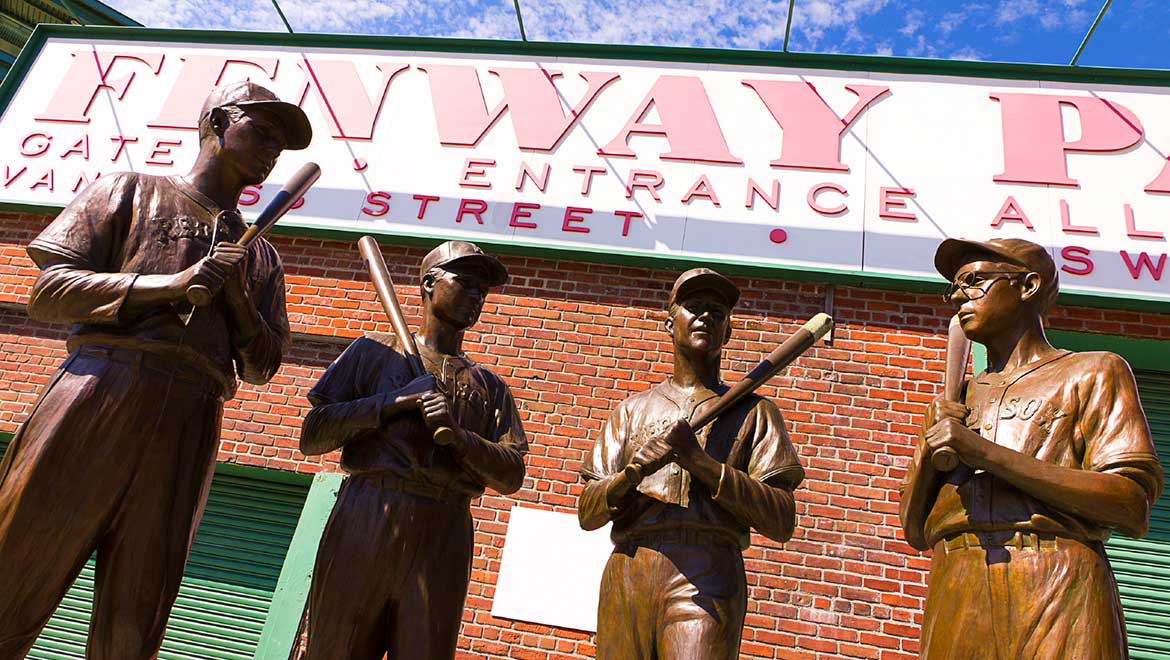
(453, 251)
(704, 279)
(244, 94)
(954, 252)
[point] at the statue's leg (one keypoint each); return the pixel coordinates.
(959, 621)
(429, 608)
(1065, 602)
(357, 560)
(140, 559)
(705, 604)
(63, 477)
(629, 604)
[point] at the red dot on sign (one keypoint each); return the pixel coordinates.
(778, 235)
(359, 164)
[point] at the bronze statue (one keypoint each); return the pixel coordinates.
(395, 559)
(118, 452)
(682, 506)
(1054, 454)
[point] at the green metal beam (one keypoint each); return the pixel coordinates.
(1089, 34)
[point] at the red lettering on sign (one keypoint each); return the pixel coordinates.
(626, 216)
(573, 216)
(1066, 224)
(88, 74)
(814, 194)
(1144, 261)
(754, 189)
(380, 201)
(526, 171)
(473, 207)
(83, 180)
(688, 123)
(121, 140)
(530, 96)
(812, 130)
(1131, 229)
(653, 181)
(701, 188)
(9, 177)
(588, 171)
(46, 180)
(1078, 255)
(890, 199)
(1012, 211)
(1034, 143)
(352, 112)
(424, 200)
(40, 144)
(522, 210)
(163, 148)
(473, 167)
(249, 195)
(81, 148)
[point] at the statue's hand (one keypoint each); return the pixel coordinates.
(653, 455)
(952, 433)
(212, 271)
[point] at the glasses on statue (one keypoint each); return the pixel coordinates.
(975, 285)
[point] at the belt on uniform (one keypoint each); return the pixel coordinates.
(164, 365)
(676, 537)
(419, 488)
(1004, 539)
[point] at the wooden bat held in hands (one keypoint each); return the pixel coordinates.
(199, 295)
(958, 353)
(384, 286)
(784, 354)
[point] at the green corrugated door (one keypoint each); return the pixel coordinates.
(228, 583)
(1142, 567)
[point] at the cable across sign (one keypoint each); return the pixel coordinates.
(810, 169)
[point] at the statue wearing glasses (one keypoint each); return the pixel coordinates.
(1055, 455)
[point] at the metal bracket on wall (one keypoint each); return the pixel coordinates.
(830, 291)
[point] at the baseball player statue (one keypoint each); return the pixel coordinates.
(118, 452)
(682, 506)
(394, 561)
(1054, 454)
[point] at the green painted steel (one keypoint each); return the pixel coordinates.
(292, 592)
(228, 584)
(1141, 566)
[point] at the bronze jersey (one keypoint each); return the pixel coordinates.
(1077, 410)
(749, 438)
(127, 224)
(354, 389)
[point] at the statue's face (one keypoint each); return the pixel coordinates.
(988, 297)
(701, 322)
(252, 143)
(457, 293)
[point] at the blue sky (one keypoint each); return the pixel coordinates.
(1132, 34)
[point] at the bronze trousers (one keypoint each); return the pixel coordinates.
(1021, 597)
(391, 576)
(672, 602)
(116, 458)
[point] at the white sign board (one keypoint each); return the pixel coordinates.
(848, 171)
(551, 570)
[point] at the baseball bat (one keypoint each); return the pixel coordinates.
(296, 187)
(958, 353)
(784, 354)
(384, 287)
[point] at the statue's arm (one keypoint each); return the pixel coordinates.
(261, 333)
(499, 462)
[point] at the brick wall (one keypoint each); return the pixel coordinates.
(572, 339)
